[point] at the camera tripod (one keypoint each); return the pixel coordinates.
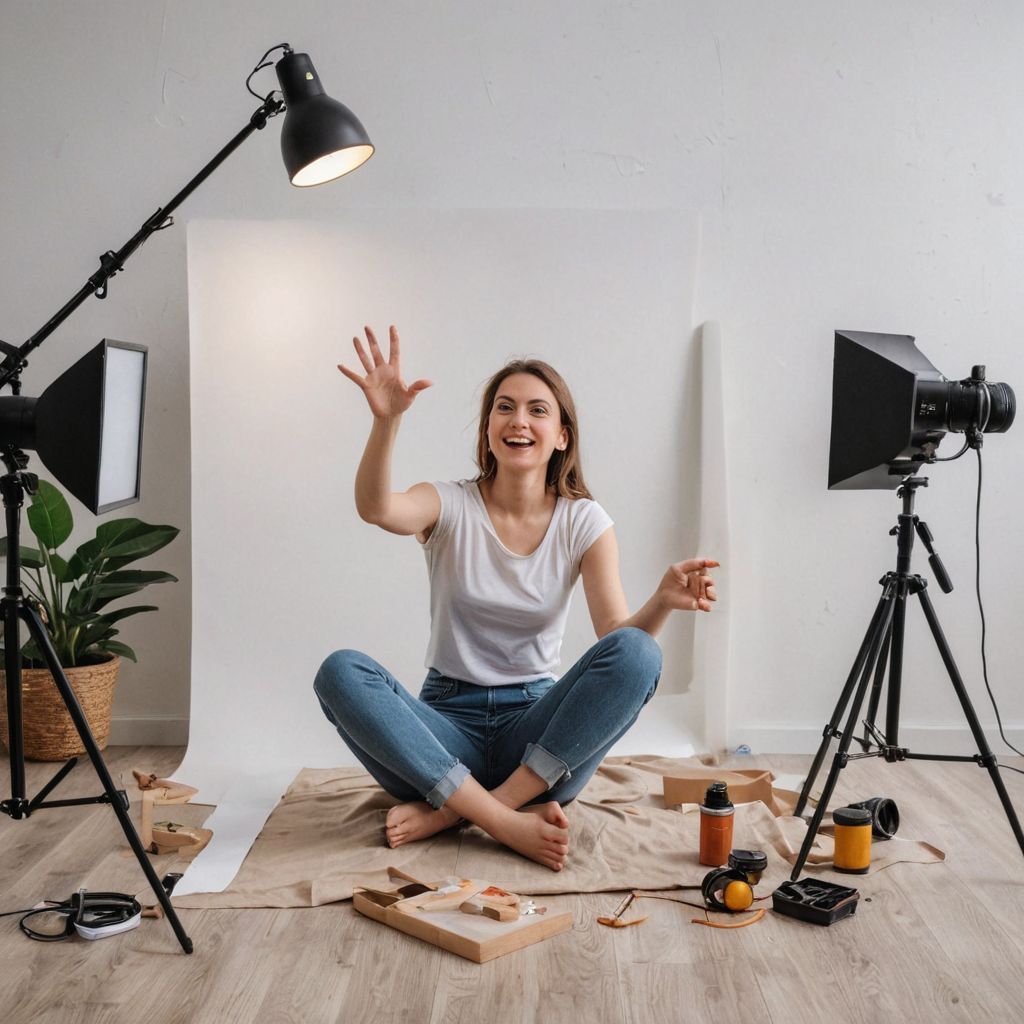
(13, 486)
(882, 648)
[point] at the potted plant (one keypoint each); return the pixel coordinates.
(72, 596)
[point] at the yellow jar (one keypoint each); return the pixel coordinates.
(853, 840)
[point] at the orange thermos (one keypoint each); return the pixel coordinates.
(716, 818)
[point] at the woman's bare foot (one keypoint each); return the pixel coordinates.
(405, 823)
(537, 833)
(548, 812)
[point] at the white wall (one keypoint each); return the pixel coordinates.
(855, 165)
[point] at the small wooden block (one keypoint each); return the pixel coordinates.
(501, 913)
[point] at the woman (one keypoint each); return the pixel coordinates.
(492, 731)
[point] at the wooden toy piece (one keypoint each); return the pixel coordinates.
(399, 873)
(186, 840)
(446, 897)
(498, 912)
(162, 791)
(497, 895)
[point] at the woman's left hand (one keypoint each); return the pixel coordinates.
(687, 586)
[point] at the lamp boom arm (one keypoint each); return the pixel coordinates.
(111, 262)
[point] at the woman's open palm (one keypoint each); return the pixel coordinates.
(385, 392)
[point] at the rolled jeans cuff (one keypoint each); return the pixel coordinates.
(546, 765)
(455, 777)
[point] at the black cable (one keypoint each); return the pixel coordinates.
(949, 458)
(264, 63)
(981, 611)
(30, 910)
(91, 910)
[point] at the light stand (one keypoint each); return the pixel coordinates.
(321, 141)
(882, 648)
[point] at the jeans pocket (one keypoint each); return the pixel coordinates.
(437, 688)
(535, 690)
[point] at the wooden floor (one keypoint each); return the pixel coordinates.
(935, 943)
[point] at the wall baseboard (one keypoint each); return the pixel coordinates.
(152, 731)
(920, 739)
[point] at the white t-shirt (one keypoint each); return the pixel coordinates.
(497, 617)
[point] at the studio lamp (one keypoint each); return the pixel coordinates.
(86, 426)
(891, 409)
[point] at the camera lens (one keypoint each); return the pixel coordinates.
(1004, 408)
(989, 406)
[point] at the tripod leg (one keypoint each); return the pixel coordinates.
(881, 629)
(988, 759)
(892, 705)
(15, 736)
(120, 809)
(830, 730)
(876, 691)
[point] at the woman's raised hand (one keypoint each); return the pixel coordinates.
(385, 392)
(688, 586)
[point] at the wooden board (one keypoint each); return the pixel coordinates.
(476, 938)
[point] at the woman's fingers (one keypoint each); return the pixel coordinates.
(363, 357)
(351, 375)
(698, 564)
(378, 359)
(393, 351)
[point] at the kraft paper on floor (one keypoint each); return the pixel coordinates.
(327, 835)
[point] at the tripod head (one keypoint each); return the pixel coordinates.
(907, 524)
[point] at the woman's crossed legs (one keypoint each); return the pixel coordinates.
(435, 752)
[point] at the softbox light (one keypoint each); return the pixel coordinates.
(879, 434)
(87, 425)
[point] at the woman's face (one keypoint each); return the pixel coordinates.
(525, 407)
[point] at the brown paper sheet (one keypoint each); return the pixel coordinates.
(327, 835)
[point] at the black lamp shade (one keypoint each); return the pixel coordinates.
(321, 139)
(87, 425)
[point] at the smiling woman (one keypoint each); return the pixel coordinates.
(492, 731)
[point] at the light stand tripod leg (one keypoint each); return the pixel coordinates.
(882, 627)
(876, 692)
(15, 741)
(892, 701)
(988, 759)
(830, 730)
(41, 638)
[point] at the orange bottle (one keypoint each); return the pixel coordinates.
(716, 819)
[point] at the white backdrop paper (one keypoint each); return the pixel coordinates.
(284, 571)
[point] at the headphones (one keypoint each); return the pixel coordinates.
(737, 894)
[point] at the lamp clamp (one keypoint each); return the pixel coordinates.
(271, 108)
(110, 264)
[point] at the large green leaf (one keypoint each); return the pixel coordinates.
(76, 568)
(87, 555)
(117, 584)
(49, 516)
(31, 558)
(123, 613)
(129, 539)
(115, 647)
(88, 637)
(60, 569)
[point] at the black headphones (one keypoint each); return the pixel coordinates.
(737, 892)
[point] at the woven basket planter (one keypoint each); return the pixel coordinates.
(49, 733)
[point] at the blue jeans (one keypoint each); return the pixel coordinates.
(424, 748)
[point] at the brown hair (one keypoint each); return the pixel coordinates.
(565, 471)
